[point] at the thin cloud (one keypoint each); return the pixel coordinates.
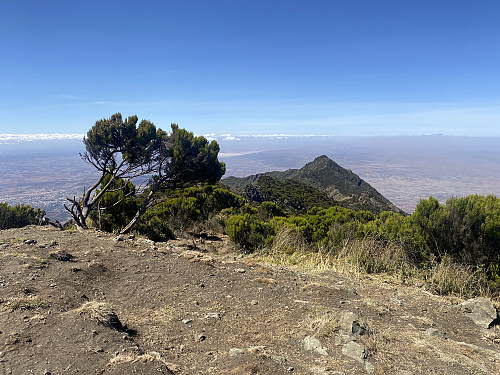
(16, 138)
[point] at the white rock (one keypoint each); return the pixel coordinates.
(313, 344)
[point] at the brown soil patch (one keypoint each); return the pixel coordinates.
(84, 303)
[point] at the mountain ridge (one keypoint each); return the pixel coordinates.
(325, 175)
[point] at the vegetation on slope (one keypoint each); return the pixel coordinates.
(19, 216)
(327, 177)
(320, 212)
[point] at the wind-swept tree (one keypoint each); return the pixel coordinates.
(183, 158)
(121, 150)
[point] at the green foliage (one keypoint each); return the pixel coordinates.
(293, 196)
(155, 228)
(467, 229)
(121, 150)
(113, 136)
(248, 231)
(192, 159)
(183, 209)
(19, 216)
(117, 205)
(329, 227)
(268, 210)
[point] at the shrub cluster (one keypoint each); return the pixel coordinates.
(19, 216)
(453, 247)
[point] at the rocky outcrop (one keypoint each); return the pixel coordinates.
(481, 311)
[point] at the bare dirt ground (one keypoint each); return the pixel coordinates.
(87, 303)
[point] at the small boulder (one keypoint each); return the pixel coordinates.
(435, 333)
(359, 353)
(350, 324)
(355, 351)
(62, 256)
(481, 311)
(313, 344)
(233, 352)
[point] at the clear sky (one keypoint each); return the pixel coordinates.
(338, 67)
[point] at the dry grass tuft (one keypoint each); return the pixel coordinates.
(322, 323)
(372, 256)
(291, 249)
(101, 313)
(447, 277)
(27, 303)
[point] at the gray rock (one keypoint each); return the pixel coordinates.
(240, 270)
(62, 256)
(359, 353)
(215, 316)
(355, 351)
(200, 338)
(350, 324)
(346, 320)
(311, 343)
(481, 311)
(397, 302)
(233, 352)
(146, 241)
(369, 367)
(435, 332)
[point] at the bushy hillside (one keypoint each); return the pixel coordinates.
(323, 174)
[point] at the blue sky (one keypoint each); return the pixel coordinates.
(352, 67)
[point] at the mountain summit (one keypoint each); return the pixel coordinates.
(323, 174)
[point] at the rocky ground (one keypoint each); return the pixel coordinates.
(93, 303)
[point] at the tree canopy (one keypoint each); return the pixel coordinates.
(122, 150)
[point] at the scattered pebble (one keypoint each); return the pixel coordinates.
(201, 338)
(233, 352)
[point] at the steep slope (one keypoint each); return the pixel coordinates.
(290, 195)
(325, 175)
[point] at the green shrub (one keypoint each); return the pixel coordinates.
(467, 229)
(249, 232)
(19, 216)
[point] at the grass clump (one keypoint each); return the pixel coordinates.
(447, 277)
(29, 303)
(374, 256)
(100, 312)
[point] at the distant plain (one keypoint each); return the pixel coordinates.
(404, 169)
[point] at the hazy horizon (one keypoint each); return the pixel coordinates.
(404, 169)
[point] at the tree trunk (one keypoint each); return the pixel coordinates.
(142, 209)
